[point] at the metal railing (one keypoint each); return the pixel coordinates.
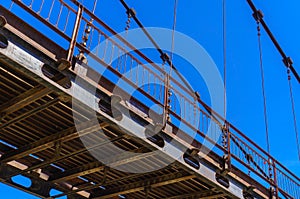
(83, 32)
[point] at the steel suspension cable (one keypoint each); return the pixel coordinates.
(162, 54)
(165, 58)
(286, 60)
(263, 85)
(225, 126)
(95, 5)
(173, 33)
(294, 112)
(168, 94)
(224, 56)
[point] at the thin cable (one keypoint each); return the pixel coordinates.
(263, 85)
(95, 5)
(224, 57)
(11, 5)
(162, 54)
(173, 33)
(287, 61)
(168, 94)
(294, 112)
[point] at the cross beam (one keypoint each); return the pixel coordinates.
(30, 113)
(48, 142)
(205, 194)
(24, 99)
(97, 166)
(140, 185)
(39, 187)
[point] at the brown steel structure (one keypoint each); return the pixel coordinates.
(39, 139)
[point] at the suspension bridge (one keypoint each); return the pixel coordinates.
(47, 118)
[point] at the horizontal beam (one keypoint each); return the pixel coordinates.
(30, 113)
(39, 187)
(97, 166)
(27, 98)
(32, 36)
(140, 185)
(23, 100)
(88, 186)
(76, 172)
(48, 142)
(218, 195)
(205, 194)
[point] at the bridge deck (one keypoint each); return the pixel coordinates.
(41, 141)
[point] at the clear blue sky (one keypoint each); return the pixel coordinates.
(202, 20)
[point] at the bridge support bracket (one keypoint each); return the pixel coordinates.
(248, 192)
(63, 64)
(82, 58)
(225, 166)
(258, 15)
(3, 21)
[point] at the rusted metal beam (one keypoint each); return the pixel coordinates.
(30, 113)
(87, 187)
(76, 172)
(23, 100)
(205, 194)
(140, 185)
(62, 157)
(213, 196)
(39, 187)
(48, 142)
(31, 35)
(97, 166)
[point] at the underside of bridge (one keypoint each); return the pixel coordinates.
(44, 145)
(52, 136)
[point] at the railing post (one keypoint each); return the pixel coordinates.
(75, 33)
(275, 178)
(167, 94)
(228, 146)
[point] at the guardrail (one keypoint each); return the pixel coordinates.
(82, 32)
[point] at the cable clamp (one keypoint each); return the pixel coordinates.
(288, 62)
(258, 15)
(131, 12)
(165, 57)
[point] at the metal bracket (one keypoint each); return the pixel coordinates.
(288, 62)
(82, 58)
(165, 57)
(131, 12)
(225, 166)
(194, 152)
(63, 64)
(3, 21)
(248, 192)
(258, 15)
